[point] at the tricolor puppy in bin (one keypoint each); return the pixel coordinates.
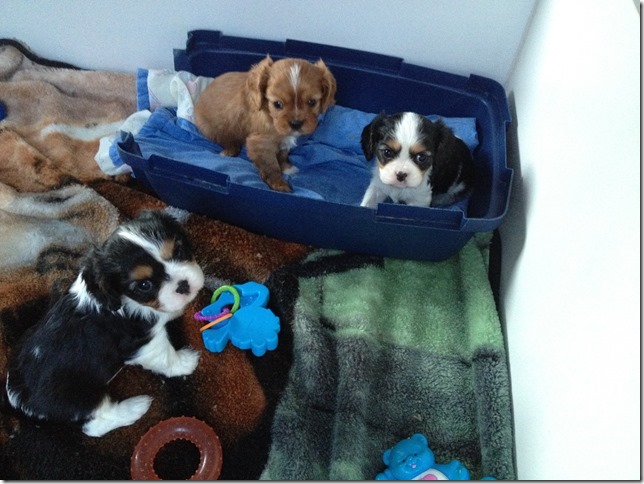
(114, 314)
(266, 109)
(418, 162)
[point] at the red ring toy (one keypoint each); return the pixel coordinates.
(178, 428)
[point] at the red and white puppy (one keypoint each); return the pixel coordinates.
(266, 109)
(419, 162)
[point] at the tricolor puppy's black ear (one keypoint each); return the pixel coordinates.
(371, 135)
(157, 219)
(101, 280)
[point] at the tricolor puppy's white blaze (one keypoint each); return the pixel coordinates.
(402, 172)
(151, 247)
(407, 129)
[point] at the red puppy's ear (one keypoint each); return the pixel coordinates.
(328, 86)
(257, 82)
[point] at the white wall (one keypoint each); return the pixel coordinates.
(571, 275)
(459, 36)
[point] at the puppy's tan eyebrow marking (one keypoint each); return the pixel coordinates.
(417, 148)
(167, 249)
(394, 145)
(141, 272)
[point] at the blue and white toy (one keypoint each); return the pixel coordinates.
(247, 325)
(412, 459)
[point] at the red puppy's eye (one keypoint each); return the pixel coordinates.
(278, 104)
(312, 102)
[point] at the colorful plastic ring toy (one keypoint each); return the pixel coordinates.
(233, 291)
(216, 321)
(200, 317)
(178, 428)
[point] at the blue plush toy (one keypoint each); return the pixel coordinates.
(412, 459)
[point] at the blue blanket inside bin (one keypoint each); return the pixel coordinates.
(330, 162)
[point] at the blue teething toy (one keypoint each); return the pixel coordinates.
(247, 325)
(412, 459)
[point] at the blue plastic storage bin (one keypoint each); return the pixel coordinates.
(368, 82)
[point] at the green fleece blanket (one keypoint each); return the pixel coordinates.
(385, 350)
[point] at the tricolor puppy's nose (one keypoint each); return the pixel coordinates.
(401, 175)
(296, 124)
(183, 287)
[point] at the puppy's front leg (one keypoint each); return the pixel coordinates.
(262, 150)
(160, 356)
(285, 165)
(372, 197)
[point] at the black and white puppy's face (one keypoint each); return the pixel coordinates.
(419, 162)
(145, 265)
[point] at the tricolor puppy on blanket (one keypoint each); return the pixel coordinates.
(114, 314)
(266, 108)
(419, 162)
